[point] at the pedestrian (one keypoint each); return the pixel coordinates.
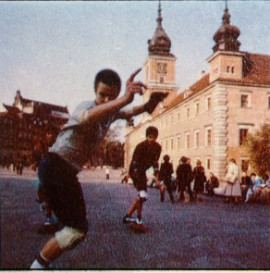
(74, 145)
(232, 189)
(146, 155)
(107, 171)
(199, 179)
(165, 175)
(245, 184)
(211, 183)
(184, 178)
(123, 176)
(252, 192)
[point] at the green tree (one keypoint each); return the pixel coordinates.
(115, 154)
(258, 147)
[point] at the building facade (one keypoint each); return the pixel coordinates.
(210, 119)
(28, 128)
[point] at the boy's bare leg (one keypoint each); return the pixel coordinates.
(49, 253)
(51, 250)
(133, 208)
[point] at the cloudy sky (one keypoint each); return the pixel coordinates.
(51, 51)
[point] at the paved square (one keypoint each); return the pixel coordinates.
(205, 235)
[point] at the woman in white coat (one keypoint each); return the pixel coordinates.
(233, 189)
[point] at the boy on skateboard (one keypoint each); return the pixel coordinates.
(146, 155)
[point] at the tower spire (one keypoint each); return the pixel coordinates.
(226, 37)
(159, 19)
(160, 44)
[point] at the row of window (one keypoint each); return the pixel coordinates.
(170, 145)
(172, 119)
(245, 101)
(245, 166)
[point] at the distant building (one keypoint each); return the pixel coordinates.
(210, 119)
(28, 128)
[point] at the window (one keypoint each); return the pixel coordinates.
(171, 143)
(178, 143)
(242, 135)
(197, 137)
(161, 79)
(228, 69)
(232, 69)
(269, 102)
(244, 101)
(171, 119)
(178, 114)
(208, 137)
(208, 103)
(188, 112)
(187, 140)
(166, 145)
(208, 163)
(197, 108)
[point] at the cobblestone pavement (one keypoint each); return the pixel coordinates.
(205, 235)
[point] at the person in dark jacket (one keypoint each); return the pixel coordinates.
(165, 175)
(146, 155)
(211, 184)
(199, 179)
(184, 178)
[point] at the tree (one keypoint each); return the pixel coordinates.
(115, 154)
(116, 151)
(258, 147)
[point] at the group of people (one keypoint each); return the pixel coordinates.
(255, 188)
(80, 137)
(185, 175)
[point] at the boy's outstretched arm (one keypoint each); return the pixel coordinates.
(101, 110)
(149, 107)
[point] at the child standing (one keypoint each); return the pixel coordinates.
(146, 155)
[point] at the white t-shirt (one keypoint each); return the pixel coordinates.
(79, 137)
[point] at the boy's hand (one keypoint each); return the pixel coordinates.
(155, 99)
(134, 87)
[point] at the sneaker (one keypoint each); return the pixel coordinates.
(127, 219)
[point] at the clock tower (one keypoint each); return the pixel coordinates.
(159, 66)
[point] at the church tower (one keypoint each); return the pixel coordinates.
(159, 66)
(226, 61)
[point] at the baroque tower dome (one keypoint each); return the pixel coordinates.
(227, 34)
(160, 44)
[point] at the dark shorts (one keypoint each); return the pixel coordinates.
(139, 181)
(62, 191)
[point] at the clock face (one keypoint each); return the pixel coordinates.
(162, 68)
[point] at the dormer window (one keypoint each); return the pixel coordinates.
(232, 69)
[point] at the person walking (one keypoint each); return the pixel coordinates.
(165, 175)
(199, 179)
(184, 178)
(232, 189)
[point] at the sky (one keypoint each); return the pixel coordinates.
(51, 51)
